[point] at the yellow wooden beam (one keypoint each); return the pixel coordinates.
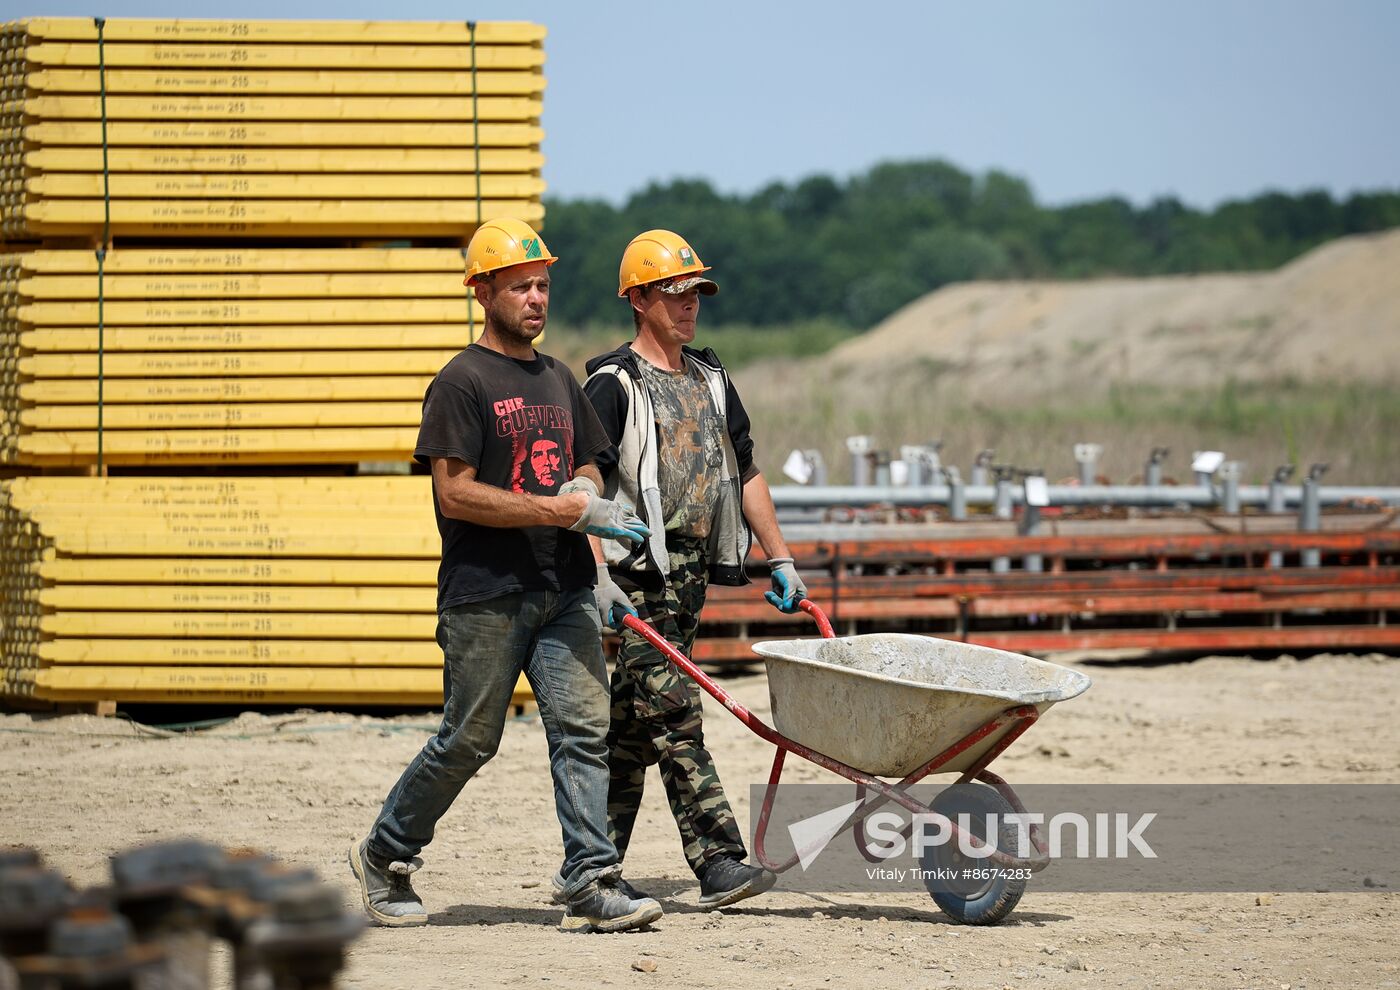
(253, 109)
(305, 186)
(250, 539)
(238, 260)
(233, 598)
(117, 30)
(283, 160)
(55, 496)
(248, 685)
(298, 56)
(219, 415)
(345, 515)
(243, 625)
(404, 573)
(300, 287)
(228, 312)
(235, 652)
(214, 446)
(348, 82)
(251, 363)
(280, 217)
(315, 337)
(121, 486)
(328, 388)
(259, 133)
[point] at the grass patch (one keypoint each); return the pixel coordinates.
(1353, 427)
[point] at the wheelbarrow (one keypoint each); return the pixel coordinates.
(901, 698)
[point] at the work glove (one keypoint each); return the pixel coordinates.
(611, 599)
(788, 588)
(603, 518)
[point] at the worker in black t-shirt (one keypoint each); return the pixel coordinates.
(511, 442)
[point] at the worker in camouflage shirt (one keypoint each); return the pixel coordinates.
(683, 457)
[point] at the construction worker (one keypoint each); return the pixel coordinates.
(513, 445)
(681, 453)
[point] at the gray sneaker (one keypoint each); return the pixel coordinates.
(622, 885)
(727, 881)
(386, 889)
(602, 907)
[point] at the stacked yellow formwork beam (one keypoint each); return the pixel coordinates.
(266, 128)
(215, 357)
(137, 158)
(218, 590)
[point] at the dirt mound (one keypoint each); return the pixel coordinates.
(1331, 315)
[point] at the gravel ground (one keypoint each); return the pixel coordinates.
(80, 788)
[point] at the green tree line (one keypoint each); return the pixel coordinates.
(852, 252)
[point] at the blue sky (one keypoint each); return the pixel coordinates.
(1083, 98)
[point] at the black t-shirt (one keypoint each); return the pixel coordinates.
(524, 426)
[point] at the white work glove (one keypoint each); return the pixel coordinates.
(788, 588)
(610, 598)
(605, 519)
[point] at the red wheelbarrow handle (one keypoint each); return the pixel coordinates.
(751, 720)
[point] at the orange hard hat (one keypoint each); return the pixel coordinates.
(654, 255)
(502, 243)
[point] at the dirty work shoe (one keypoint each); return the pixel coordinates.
(603, 907)
(622, 885)
(386, 889)
(726, 880)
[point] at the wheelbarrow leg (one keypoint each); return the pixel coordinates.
(760, 831)
(1006, 791)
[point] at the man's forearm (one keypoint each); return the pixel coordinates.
(487, 505)
(461, 496)
(763, 518)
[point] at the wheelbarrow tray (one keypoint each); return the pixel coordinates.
(885, 703)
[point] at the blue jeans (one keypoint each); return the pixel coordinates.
(554, 638)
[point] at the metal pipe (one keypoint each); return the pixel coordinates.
(934, 467)
(1002, 509)
(1004, 498)
(1152, 471)
(1276, 502)
(1033, 491)
(981, 468)
(881, 462)
(913, 467)
(859, 448)
(1030, 526)
(1144, 496)
(957, 495)
(1230, 473)
(1087, 455)
(1310, 513)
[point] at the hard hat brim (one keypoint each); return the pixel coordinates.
(675, 288)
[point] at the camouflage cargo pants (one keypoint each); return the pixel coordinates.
(656, 719)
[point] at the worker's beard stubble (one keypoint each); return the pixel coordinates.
(512, 327)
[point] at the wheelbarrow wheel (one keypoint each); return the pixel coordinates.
(973, 891)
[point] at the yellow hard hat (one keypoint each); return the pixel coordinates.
(502, 243)
(654, 255)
